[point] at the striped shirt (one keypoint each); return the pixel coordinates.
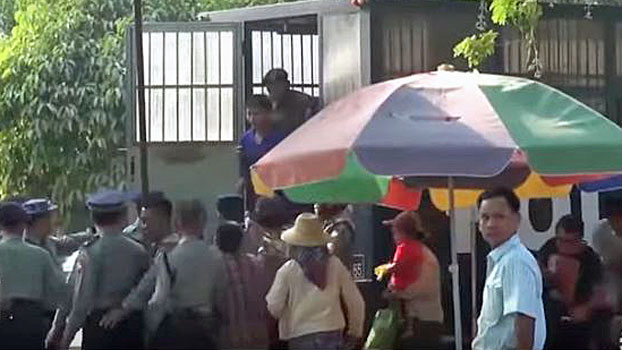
(245, 313)
(513, 286)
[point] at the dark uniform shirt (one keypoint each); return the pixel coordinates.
(293, 110)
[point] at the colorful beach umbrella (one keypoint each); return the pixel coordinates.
(468, 131)
(440, 124)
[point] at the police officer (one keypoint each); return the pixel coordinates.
(136, 230)
(38, 232)
(29, 281)
(105, 272)
(188, 284)
(41, 225)
(157, 227)
(133, 230)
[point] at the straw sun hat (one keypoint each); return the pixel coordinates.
(308, 231)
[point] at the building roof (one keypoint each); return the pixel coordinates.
(311, 7)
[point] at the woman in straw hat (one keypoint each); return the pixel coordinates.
(307, 292)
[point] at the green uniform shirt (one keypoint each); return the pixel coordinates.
(28, 272)
(196, 273)
(105, 273)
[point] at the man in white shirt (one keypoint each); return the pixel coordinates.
(512, 315)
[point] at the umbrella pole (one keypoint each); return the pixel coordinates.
(454, 268)
(473, 277)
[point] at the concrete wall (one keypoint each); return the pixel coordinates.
(184, 171)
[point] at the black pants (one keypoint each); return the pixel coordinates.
(126, 335)
(426, 335)
(23, 326)
(186, 331)
(583, 335)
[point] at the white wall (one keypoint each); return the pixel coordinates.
(467, 218)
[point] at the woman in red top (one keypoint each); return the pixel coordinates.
(406, 265)
(405, 268)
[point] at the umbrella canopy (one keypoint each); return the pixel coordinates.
(480, 129)
(464, 131)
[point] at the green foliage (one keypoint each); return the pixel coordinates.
(522, 14)
(61, 99)
(215, 5)
(476, 48)
(6, 16)
(170, 11)
(62, 79)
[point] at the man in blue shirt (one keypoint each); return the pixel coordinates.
(512, 315)
(256, 142)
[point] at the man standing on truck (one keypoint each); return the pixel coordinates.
(255, 143)
(290, 108)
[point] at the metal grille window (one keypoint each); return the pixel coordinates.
(298, 54)
(572, 54)
(404, 45)
(189, 76)
(571, 50)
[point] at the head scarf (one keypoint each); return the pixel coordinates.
(314, 263)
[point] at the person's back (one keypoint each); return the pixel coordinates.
(195, 264)
(311, 309)
(290, 108)
(294, 109)
(425, 294)
(187, 285)
(20, 264)
(242, 298)
(29, 284)
(105, 272)
(309, 291)
(121, 262)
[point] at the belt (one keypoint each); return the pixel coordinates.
(192, 312)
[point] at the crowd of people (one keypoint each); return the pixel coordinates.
(564, 296)
(278, 278)
(163, 284)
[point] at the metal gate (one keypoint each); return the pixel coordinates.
(193, 91)
(288, 43)
(298, 54)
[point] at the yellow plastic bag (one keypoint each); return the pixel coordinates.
(381, 271)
